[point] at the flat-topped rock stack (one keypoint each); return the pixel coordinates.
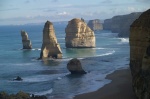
(50, 47)
(25, 40)
(95, 25)
(79, 35)
(140, 55)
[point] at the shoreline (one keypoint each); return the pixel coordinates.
(119, 88)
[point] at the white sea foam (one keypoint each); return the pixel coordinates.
(123, 40)
(98, 48)
(33, 49)
(36, 49)
(39, 49)
(67, 59)
(108, 53)
(22, 64)
(59, 78)
(44, 92)
(38, 78)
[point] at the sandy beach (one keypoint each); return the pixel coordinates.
(119, 88)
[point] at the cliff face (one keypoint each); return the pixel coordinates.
(121, 24)
(140, 55)
(50, 47)
(95, 25)
(25, 40)
(79, 35)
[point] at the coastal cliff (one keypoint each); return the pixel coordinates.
(121, 24)
(50, 47)
(95, 25)
(25, 40)
(79, 35)
(140, 55)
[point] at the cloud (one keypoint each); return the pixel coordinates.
(107, 1)
(27, 1)
(145, 1)
(63, 14)
(131, 9)
(46, 9)
(9, 9)
(55, 0)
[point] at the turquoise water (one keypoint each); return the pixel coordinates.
(51, 77)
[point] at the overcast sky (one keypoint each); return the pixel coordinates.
(36, 11)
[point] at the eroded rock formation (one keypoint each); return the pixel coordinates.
(121, 24)
(20, 95)
(75, 67)
(79, 35)
(25, 40)
(140, 55)
(50, 47)
(95, 25)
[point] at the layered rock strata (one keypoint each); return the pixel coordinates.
(121, 23)
(79, 35)
(95, 25)
(50, 47)
(140, 55)
(75, 67)
(25, 40)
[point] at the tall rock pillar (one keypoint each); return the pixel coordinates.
(25, 40)
(140, 55)
(50, 47)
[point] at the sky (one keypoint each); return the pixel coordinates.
(18, 12)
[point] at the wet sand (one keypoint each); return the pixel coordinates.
(119, 88)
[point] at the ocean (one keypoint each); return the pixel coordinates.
(51, 77)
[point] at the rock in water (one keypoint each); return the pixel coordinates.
(75, 67)
(95, 25)
(140, 55)
(50, 47)
(79, 35)
(25, 40)
(20, 95)
(18, 78)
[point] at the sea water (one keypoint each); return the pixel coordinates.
(51, 77)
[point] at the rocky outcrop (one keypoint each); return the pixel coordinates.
(50, 47)
(121, 24)
(95, 25)
(20, 95)
(25, 40)
(79, 35)
(140, 55)
(18, 78)
(75, 67)
(82, 19)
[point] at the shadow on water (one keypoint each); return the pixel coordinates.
(26, 53)
(71, 76)
(50, 62)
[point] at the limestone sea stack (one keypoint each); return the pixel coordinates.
(95, 25)
(50, 47)
(25, 40)
(79, 35)
(75, 67)
(140, 55)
